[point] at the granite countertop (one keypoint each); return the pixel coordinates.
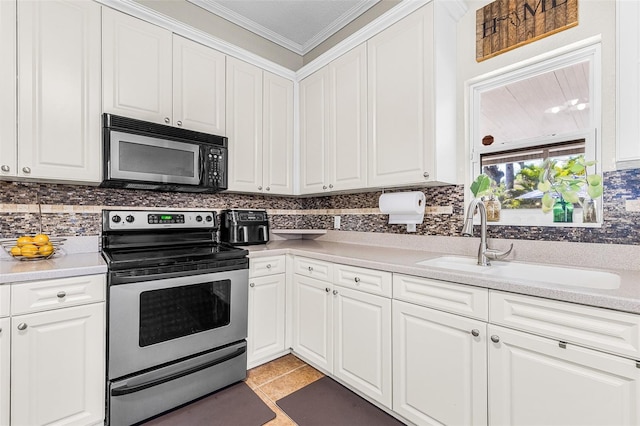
(69, 265)
(625, 298)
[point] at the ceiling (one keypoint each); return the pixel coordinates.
(298, 25)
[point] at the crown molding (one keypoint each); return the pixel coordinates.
(139, 11)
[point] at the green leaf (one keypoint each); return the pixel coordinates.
(577, 168)
(544, 186)
(594, 180)
(595, 191)
(571, 196)
(547, 201)
(481, 185)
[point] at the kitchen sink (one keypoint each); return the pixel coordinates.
(557, 275)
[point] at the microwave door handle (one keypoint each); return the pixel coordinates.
(202, 176)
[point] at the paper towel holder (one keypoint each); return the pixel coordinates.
(404, 208)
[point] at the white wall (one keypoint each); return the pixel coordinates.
(595, 17)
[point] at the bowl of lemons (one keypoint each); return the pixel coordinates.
(32, 247)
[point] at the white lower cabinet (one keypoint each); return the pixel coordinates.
(5, 352)
(540, 381)
(439, 369)
(266, 318)
(341, 329)
(57, 367)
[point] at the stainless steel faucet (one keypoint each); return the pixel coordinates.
(484, 252)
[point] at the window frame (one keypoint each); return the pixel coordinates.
(589, 50)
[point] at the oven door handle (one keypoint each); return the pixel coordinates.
(125, 390)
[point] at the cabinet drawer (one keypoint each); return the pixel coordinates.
(5, 292)
(369, 280)
(455, 298)
(262, 266)
(58, 293)
(608, 330)
(318, 269)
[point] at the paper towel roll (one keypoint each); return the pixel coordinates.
(403, 207)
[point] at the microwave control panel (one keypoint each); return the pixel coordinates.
(215, 167)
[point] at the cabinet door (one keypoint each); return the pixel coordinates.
(198, 87)
(277, 139)
(312, 321)
(8, 135)
(314, 132)
(362, 339)
(440, 367)
(535, 380)
(400, 99)
(348, 118)
(59, 86)
(266, 318)
(5, 351)
(244, 125)
(137, 58)
(57, 367)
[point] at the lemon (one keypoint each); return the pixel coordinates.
(29, 250)
(40, 239)
(15, 251)
(24, 240)
(45, 250)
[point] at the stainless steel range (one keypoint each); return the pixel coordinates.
(177, 311)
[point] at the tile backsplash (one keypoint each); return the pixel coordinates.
(75, 210)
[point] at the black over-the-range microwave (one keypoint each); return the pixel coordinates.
(142, 155)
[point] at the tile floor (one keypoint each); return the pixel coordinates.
(279, 378)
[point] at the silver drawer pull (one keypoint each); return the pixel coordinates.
(357, 279)
(0, 329)
(475, 332)
(61, 295)
(335, 292)
(310, 268)
(495, 339)
(252, 284)
(327, 290)
(22, 326)
(268, 266)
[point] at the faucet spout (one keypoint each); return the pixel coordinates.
(484, 252)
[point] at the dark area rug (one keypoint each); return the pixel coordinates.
(235, 405)
(326, 402)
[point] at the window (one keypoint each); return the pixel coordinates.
(545, 109)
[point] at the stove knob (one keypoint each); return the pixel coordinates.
(130, 218)
(198, 218)
(116, 219)
(209, 218)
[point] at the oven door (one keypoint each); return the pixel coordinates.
(158, 322)
(148, 159)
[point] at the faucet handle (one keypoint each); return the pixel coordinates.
(497, 255)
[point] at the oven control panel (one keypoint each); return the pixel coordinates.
(145, 219)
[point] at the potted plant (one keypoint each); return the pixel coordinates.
(483, 187)
(568, 183)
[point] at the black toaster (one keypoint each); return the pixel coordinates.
(244, 227)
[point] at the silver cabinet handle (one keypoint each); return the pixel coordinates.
(268, 266)
(26, 170)
(268, 188)
(324, 186)
(495, 339)
(179, 123)
(327, 290)
(426, 175)
(335, 292)
(252, 284)
(166, 120)
(310, 268)
(5, 168)
(475, 332)
(331, 185)
(357, 279)
(259, 188)
(61, 294)
(22, 326)
(0, 329)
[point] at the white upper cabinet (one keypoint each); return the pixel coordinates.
(260, 130)
(8, 136)
(333, 120)
(198, 87)
(137, 58)
(277, 138)
(152, 75)
(411, 137)
(59, 74)
(628, 72)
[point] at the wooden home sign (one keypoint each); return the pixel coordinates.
(506, 24)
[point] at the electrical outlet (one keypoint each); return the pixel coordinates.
(336, 222)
